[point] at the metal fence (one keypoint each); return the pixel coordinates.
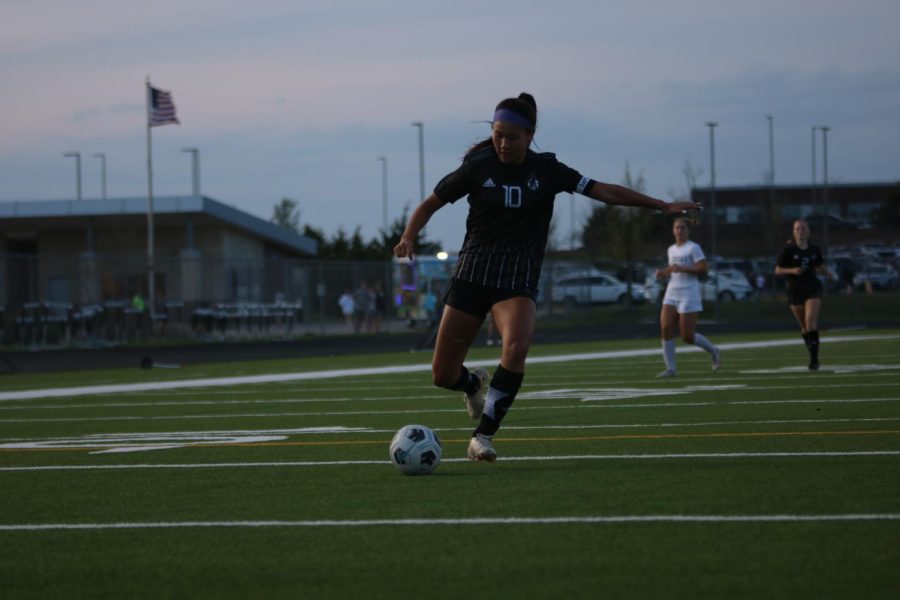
(91, 300)
(60, 300)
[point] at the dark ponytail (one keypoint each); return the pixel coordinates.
(524, 105)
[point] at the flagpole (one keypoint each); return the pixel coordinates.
(150, 278)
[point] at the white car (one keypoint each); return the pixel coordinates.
(593, 288)
(732, 275)
(730, 289)
(880, 276)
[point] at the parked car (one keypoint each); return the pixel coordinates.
(592, 288)
(733, 275)
(730, 289)
(881, 276)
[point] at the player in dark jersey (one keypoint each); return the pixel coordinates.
(510, 192)
(798, 263)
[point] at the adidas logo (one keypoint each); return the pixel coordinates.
(489, 183)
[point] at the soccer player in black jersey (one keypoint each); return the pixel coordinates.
(798, 264)
(510, 192)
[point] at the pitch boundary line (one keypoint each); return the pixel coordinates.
(478, 521)
(349, 463)
(387, 370)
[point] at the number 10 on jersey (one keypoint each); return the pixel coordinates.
(512, 196)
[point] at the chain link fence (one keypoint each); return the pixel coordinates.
(91, 300)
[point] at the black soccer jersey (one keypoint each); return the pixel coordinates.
(510, 207)
(807, 259)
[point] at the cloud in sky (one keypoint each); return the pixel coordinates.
(297, 99)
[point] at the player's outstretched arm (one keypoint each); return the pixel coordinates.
(623, 196)
(417, 220)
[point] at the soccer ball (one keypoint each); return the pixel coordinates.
(416, 450)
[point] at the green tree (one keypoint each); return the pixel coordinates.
(888, 214)
(614, 231)
(287, 214)
(624, 233)
(357, 249)
(339, 248)
(354, 247)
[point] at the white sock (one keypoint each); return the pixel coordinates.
(669, 353)
(704, 343)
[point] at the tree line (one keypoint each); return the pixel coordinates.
(344, 246)
(620, 233)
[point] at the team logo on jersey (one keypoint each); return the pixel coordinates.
(489, 183)
(533, 183)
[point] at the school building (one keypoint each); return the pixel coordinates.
(756, 220)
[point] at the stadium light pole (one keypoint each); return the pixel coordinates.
(384, 193)
(421, 127)
(813, 186)
(77, 157)
(195, 170)
(825, 131)
(102, 157)
(712, 203)
(572, 221)
(771, 166)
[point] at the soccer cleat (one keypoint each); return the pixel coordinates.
(475, 402)
(481, 448)
(716, 359)
(666, 373)
(813, 365)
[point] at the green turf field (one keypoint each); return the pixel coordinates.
(763, 480)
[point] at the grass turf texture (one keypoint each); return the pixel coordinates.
(585, 439)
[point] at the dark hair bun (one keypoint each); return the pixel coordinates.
(526, 97)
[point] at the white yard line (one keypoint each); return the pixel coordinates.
(387, 370)
(430, 411)
(476, 521)
(350, 463)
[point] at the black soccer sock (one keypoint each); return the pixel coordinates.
(806, 340)
(501, 393)
(813, 345)
(467, 382)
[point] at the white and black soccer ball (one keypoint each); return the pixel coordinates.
(415, 450)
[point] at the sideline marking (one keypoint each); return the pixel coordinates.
(471, 521)
(388, 370)
(350, 463)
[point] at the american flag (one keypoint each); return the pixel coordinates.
(162, 109)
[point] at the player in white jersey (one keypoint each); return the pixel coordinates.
(683, 299)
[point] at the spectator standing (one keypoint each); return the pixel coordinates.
(347, 307)
(361, 300)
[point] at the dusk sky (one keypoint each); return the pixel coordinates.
(298, 98)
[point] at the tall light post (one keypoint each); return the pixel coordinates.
(825, 131)
(712, 202)
(102, 157)
(195, 170)
(384, 194)
(772, 211)
(77, 157)
(572, 221)
(421, 127)
(771, 160)
(812, 187)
